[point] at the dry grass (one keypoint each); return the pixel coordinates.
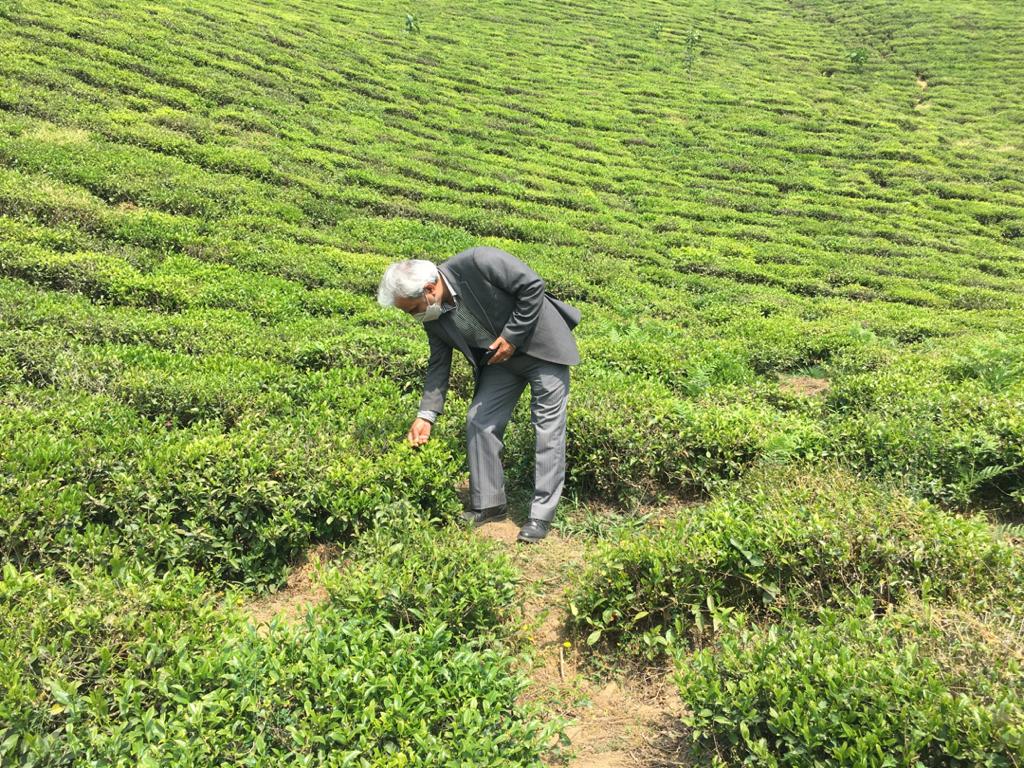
(807, 386)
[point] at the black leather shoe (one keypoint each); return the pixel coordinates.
(477, 517)
(533, 531)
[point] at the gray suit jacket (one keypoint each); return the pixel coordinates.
(509, 299)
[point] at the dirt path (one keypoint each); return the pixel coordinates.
(618, 724)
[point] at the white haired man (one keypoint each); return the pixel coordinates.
(495, 310)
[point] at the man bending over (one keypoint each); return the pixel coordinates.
(493, 308)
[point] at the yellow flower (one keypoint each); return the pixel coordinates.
(567, 644)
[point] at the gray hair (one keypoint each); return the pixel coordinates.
(405, 279)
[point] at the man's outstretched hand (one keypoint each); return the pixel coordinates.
(503, 351)
(419, 432)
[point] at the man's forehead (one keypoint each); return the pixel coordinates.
(403, 302)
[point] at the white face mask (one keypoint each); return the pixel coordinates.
(432, 312)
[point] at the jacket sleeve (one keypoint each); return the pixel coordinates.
(513, 276)
(435, 383)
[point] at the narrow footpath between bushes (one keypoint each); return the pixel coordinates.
(613, 724)
(632, 723)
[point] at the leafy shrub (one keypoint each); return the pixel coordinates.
(408, 574)
(856, 690)
(127, 667)
(97, 649)
(997, 362)
(239, 504)
(685, 364)
(10, 372)
(950, 440)
(628, 441)
(204, 382)
(858, 58)
(786, 540)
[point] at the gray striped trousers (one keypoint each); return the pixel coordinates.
(497, 393)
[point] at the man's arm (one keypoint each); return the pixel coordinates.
(435, 383)
(435, 389)
(513, 276)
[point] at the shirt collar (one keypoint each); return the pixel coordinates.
(451, 289)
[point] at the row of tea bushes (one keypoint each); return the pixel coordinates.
(836, 620)
(234, 180)
(628, 438)
(954, 436)
(915, 686)
(950, 426)
(122, 665)
(408, 575)
(139, 355)
(84, 475)
(689, 418)
(787, 540)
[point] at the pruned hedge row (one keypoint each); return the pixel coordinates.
(629, 439)
(950, 426)
(655, 408)
(198, 184)
(84, 475)
(910, 687)
(787, 540)
(123, 665)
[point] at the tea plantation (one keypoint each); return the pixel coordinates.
(795, 230)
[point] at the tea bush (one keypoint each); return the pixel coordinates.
(787, 540)
(129, 667)
(954, 437)
(98, 646)
(858, 689)
(239, 504)
(709, 249)
(197, 201)
(628, 441)
(408, 573)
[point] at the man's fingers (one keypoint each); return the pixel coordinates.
(503, 353)
(419, 432)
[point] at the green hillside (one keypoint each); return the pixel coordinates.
(795, 230)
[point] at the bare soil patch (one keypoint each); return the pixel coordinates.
(302, 591)
(807, 386)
